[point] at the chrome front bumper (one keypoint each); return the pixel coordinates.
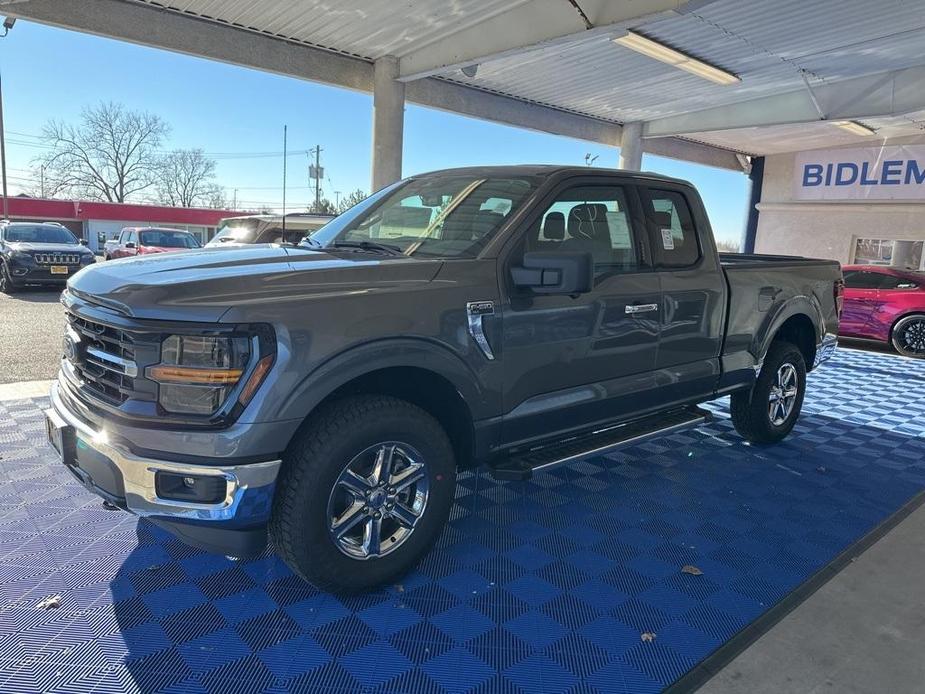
(138, 474)
(826, 349)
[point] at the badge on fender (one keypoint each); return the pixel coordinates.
(476, 310)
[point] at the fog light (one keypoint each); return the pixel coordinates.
(19, 271)
(200, 489)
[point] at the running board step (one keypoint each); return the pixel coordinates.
(522, 465)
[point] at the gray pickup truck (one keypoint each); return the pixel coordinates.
(324, 395)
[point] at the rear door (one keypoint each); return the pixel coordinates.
(571, 361)
(693, 293)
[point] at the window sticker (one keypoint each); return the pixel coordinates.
(667, 240)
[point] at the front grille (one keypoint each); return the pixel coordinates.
(104, 358)
(57, 258)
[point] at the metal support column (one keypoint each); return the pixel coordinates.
(631, 146)
(388, 122)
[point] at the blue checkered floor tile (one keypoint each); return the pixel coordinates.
(539, 586)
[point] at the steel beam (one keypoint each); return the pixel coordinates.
(872, 96)
(170, 30)
(525, 26)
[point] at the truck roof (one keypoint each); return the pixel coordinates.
(547, 170)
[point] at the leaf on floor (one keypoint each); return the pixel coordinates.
(692, 570)
(49, 603)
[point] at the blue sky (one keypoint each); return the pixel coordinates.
(231, 112)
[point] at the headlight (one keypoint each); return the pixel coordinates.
(197, 373)
(86, 259)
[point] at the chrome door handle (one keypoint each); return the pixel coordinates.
(641, 308)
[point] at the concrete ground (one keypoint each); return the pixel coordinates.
(31, 328)
(862, 632)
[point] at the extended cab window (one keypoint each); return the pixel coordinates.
(592, 219)
(674, 237)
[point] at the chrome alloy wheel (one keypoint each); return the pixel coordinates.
(913, 337)
(783, 394)
(378, 500)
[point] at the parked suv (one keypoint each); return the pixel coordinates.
(886, 304)
(41, 254)
(516, 317)
(145, 240)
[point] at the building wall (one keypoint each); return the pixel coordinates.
(830, 229)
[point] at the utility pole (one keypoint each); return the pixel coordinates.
(234, 200)
(285, 156)
(337, 199)
(316, 172)
(42, 181)
(7, 25)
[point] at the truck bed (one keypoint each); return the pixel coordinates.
(761, 288)
(767, 261)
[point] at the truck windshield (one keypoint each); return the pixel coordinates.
(38, 233)
(435, 216)
(164, 238)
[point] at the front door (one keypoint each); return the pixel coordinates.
(860, 301)
(570, 361)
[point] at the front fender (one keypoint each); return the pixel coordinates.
(382, 354)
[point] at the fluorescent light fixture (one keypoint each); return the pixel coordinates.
(855, 128)
(660, 51)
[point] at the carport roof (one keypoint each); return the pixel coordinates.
(798, 61)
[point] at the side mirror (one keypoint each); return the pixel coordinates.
(130, 244)
(84, 242)
(555, 272)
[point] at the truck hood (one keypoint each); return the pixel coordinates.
(26, 247)
(203, 284)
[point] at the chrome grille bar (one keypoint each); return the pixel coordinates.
(57, 258)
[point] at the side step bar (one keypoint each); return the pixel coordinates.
(522, 465)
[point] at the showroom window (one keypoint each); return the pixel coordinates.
(896, 253)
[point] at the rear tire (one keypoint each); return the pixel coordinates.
(908, 336)
(769, 411)
(325, 518)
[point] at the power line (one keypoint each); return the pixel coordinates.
(213, 155)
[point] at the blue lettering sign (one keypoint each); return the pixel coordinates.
(892, 167)
(812, 175)
(913, 172)
(843, 167)
(865, 179)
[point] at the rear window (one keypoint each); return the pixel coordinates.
(38, 233)
(163, 238)
(673, 235)
(236, 232)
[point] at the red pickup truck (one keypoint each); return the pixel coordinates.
(144, 240)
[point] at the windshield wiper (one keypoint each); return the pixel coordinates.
(369, 246)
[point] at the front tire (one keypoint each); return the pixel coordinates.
(6, 282)
(364, 492)
(768, 412)
(908, 336)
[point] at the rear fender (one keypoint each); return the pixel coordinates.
(808, 306)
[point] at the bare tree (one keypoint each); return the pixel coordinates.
(350, 200)
(185, 179)
(216, 199)
(111, 154)
(324, 206)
